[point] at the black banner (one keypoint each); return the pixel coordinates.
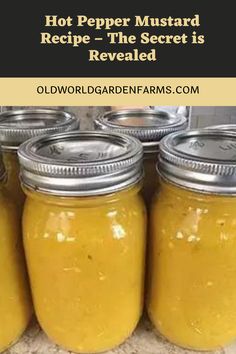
(182, 54)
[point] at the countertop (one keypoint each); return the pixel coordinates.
(143, 341)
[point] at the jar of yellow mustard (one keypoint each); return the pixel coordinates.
(149, 127)
(84, 235)
(192, 268)
(19, 126)
(15, 306)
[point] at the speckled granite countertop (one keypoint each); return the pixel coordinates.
(143, 341)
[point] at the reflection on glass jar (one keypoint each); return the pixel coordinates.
(192, 268)
(84, 237)
(150, 180)
(13, 186)
(15, 306)
(149, 127)
(19, 126)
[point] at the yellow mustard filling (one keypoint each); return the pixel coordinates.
(15, 307)
(192, 273)
(13, 185)
(86, 264)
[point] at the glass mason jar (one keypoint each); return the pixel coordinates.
(149, 127)
(15, 305)
(85, 253)
(192, 269)
(19, 126)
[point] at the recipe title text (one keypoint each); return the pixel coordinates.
(142, 35)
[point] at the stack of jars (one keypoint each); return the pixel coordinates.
(84, 229)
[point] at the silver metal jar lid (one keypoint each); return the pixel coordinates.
(148, 126)
(81, 163)
(20, 125)
(203, 160)
(224, 127)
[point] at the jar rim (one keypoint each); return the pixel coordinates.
(17, 126)
(81, 163)
(224, 127)
(200, 159)
(88, 199)
(147, 125)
